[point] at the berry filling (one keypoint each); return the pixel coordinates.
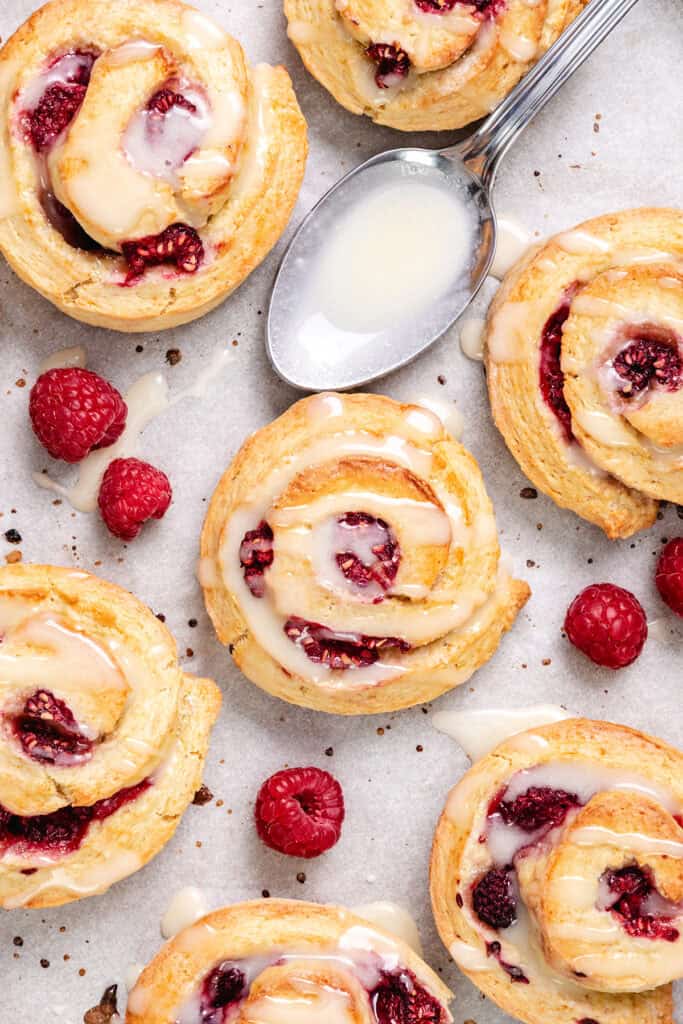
(48, 731)
(637, 905)
(224, 986)
(493, 899)
(491, 7)
(373, 555)
(648, 362)
(550, 369)
(539, 807)
(63, 831)
(66, 82)
(165, 99)
(400, 999)
(515, 973)
(256, 554)
(392, 62)
(339, 651)
(63, 220)
(178, 244)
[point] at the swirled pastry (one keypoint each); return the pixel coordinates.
(278, 961)
(145, 168)
(423, 65)
(585, 367)
(557, 874)
(350, 557)
(102, 736)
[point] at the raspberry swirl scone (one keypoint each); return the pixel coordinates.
(585, 367)
(350, 558)
(280, 961)
(424, 65)
(102, 736)
(145, 168)
(557, 875)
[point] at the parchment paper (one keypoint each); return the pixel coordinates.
(561, 171)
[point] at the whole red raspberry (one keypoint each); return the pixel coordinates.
(131, 493)
(73, 411)
(300, 812)
(608, 624)
(669, 575)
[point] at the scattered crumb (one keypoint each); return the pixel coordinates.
(13, 536)
(528, 492)
(173, 356)
(301, 877)
(12, 557)
(329, 752)
(203, 796)
(106, 1010)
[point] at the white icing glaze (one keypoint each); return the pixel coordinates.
(468, 956)
(582, 243)
(310, 1004)
(393, 918)
(88, 881)
(186, 907)
(512, 241)
(508, 337)
(74, 356)
(202, 33)
(597, 835)
(447, 412)
(605, 427)
(9, 198)
(472, 337)
(302, 32)
(479, 731)
(131, 975)
(519, 46)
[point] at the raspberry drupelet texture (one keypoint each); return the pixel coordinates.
(178, 245)
(163, 100)
(75, 411)
(539, 807)
(256, 555)
(339, 651)
(669, 575)
(392, 62)
(551, 377)
(299, 811)
(386, 554)
(494, 900)
(399, 998)
(648, 362)
(48, 731)
(608, 624)
(632, 887)
(132, 492)
(222, 988)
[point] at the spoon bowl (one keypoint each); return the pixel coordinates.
(339, 348)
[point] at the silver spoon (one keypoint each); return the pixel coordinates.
(469, 168)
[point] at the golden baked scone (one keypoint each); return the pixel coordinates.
(557, 874)
(103, 740)
(584, 356)
(350, 558)
(287, 960)
(145, 168)
(424, 65)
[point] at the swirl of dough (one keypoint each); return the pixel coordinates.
(100, 730)
(350, 557)
(557, 874)
(584, 355)
(146, 168)
(278, 961)
(424, 65)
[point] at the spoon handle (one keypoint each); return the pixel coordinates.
(484, 149)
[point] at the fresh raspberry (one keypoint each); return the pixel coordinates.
(608, 624)
(177, 244)
(648, 362)
(48, 731)
(399, 998)
(74, 411)
(539, 807)
(132, 492)
(300, 812)
(382, 569)
(494, 900)
(669, 575)
(55, 111)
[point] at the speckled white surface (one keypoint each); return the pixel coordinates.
(560, 172)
